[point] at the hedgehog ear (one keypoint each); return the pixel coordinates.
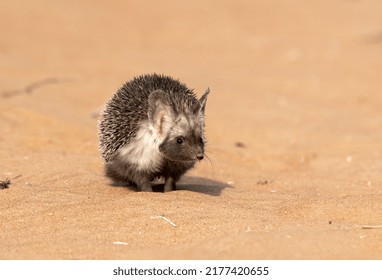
(200, 107)
(160, 112)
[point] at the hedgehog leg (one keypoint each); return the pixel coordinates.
(169, 184)
(113, 173)
(145, 186)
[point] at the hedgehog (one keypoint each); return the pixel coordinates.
(152, 127)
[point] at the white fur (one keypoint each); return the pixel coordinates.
(143, 151)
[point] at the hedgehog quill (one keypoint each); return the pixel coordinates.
(153, 126)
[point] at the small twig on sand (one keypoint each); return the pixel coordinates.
(31, 87)
(164, 218)
(5, 184)
(372, 227)
(120, 243)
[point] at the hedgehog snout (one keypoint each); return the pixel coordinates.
(200, 153)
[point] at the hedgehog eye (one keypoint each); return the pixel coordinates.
(179, 140)
(201, 140)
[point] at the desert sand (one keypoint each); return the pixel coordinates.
(294, 129)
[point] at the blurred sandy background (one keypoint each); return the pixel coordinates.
(293, 121)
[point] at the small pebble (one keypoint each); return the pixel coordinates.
(5, 184)
(240, 145)
(262, 182)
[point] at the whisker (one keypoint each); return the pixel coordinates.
(210, 161)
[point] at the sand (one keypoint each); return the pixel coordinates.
(294, 129)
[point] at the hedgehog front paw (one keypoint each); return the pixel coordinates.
(169, 185)
(145, 187)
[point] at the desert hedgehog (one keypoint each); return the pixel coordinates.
(153, 126)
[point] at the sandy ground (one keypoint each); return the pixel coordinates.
(293, 121)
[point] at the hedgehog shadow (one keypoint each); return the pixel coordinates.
(202, 185)
(188, 183)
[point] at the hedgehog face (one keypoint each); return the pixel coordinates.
(185, 141)
(181, 131)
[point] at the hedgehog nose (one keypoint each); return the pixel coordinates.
(200, 156)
